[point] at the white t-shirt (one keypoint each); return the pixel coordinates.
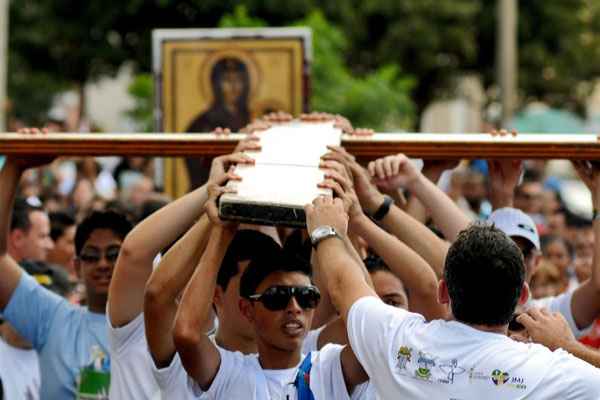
(19, 373)
(408, 358)
(560, 304)
(173, 378)
(131, 364)
(241, 377)
(364, 391)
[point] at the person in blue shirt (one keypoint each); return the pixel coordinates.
(71, 341)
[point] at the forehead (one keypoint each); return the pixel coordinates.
(39, 219)
(387, 283)
(102, 238)
(284, 278)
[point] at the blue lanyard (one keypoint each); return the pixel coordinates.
(302, 381)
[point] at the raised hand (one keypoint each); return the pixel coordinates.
(215, 190)
(589, 172)
(503, 132)
(393, 172)
(317, 117)
(362, 132)
(249, 143)
(222, 165)
(369, 196)
(257, 125)
(337, 179)
(549, 329)
(325, 210)
(221, 131)
(278, 117)
(30, 161)
(343, 123)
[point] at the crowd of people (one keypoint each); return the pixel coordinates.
(396, 289)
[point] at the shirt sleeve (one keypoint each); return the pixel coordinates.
(124, 337)
(570, 379)
(231, 373)
(31, 310)
(372, 329)
(311, 341)
(326, 376)
(170, 377)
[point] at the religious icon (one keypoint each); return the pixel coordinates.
(209, 78)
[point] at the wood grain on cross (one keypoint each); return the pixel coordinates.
(421, 145)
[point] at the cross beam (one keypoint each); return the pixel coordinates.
(421, 145)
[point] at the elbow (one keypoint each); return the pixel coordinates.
(128, 253)
(185, 336)
(154, 293)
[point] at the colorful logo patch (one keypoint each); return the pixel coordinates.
(499, 378)
(425, 364)
(403, 357)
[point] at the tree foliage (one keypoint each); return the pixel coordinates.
(372, 44)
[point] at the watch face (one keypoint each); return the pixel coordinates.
(321, 232)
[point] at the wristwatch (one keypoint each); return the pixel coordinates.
(321, 233)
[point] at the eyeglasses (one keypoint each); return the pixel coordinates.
(276, 298)
(90, 256)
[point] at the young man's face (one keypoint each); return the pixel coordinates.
(227, 305)
(390, 289)
(96, 262)
(284, 329)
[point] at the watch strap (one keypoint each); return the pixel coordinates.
(383, 209)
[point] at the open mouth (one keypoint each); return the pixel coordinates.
(293, 327)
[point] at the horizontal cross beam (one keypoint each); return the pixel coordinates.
(419, 145)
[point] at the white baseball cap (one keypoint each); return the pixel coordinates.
(514, 222)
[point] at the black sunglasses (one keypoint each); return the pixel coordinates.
(277, 298)
(93, 256)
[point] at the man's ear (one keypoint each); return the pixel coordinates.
(524, 297)
(16, 237)
(533, 264)
(443, 296)
(77, 265)
(247, 309)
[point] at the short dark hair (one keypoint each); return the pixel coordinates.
(247, 245)
(484, 272)
(278, 261)
(374, 263)
(20, 215)
(59, 222)
(111, 220)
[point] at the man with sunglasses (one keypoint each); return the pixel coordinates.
(71, 341)
(278, 300)
(466, 357)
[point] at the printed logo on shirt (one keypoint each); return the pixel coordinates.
(403, 357)
(93, 383)
(451, 370)
(499, 378)
(424, 365)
